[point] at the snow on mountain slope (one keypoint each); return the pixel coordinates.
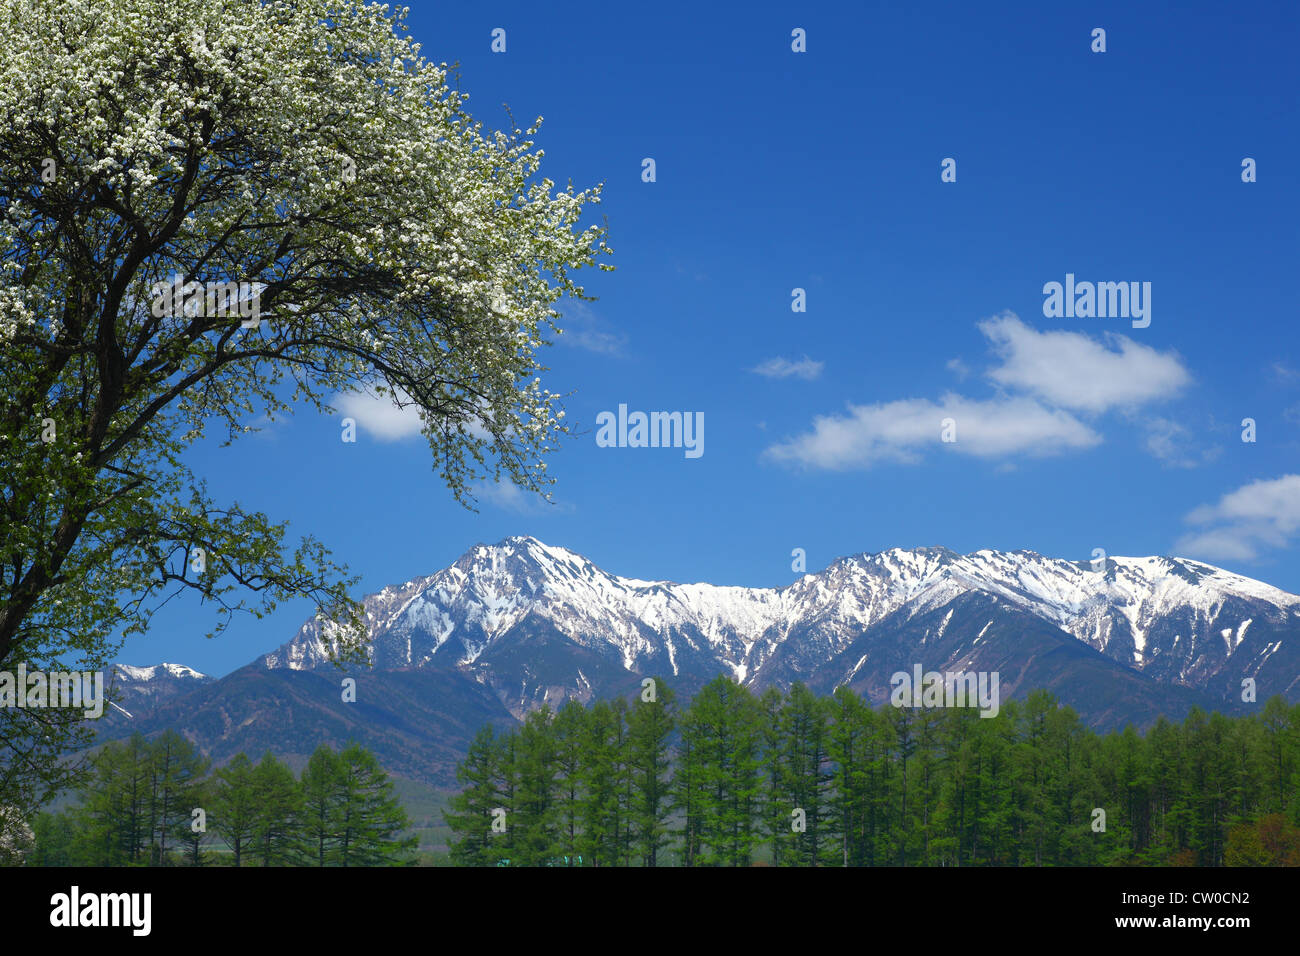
(1078, 597)
(1165, 616)
(179, 671)
(134, 688)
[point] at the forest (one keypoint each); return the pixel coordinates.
(794, 779)
(154, 803)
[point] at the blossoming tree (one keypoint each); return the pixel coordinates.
(169, 168)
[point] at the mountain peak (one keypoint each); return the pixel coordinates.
(526, 541)
(520, 553)
(154, 671)
(524, 544)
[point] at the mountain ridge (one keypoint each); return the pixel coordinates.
(1119, 608)
(514, 625)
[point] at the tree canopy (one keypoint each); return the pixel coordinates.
(216, 210)
(793, 779)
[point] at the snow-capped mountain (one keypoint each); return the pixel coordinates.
(159, 673)
(137, 689)
(539, 623)
(517, 624)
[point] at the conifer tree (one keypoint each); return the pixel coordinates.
(277, 809)
(191, 839)
(370, 818)
(113, 818)
(175, 769)
(234, 806)
(506, 785)
(469, 812)
(775, 807)
(803, 776)
(687, 788)
(570, 754)
(322, 798)
(649, 726)
(847, 748)
(602, 806)
(534, 815)
(727, 734)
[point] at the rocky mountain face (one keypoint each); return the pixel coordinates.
(514, 625)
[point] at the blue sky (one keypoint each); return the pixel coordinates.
(778, 170)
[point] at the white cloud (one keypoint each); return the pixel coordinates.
(1072, 370)
(379, 416)
(586, 330)
(1285, 374)
(1045, 379)
(505, 495)
(265, 427)
(1262, 515)
(508, 496)
(1172, 443)
(805, 368)
(958, 368)
(899, 431)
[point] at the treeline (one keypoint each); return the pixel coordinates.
(793, 779)
(154, 803)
